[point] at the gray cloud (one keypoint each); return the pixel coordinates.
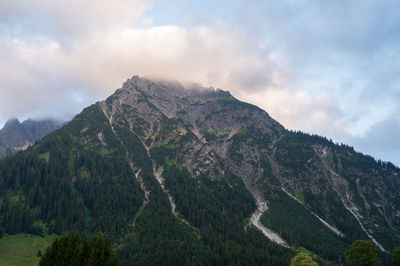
(349, 49)
(381, 140)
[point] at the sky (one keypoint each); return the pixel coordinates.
(324, 67)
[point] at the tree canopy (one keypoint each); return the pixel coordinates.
(72, 249)
(302, 259)
(363, 253)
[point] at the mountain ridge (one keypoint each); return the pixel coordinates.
(222, 174)
(16, 136)
(171, 110)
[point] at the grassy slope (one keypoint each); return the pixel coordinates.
(21, 249)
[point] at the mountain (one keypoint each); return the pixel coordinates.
(15, 136)
(176, 175)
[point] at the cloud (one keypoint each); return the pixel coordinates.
(381, 140)
(327, 68)
(95, 65)
(69, 18)
(302, 110)
(346, 49)
(34, 81)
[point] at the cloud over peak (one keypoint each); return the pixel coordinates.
(328, 68)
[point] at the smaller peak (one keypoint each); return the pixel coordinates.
(13, 120)
(11, 123)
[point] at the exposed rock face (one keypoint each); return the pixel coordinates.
(15, 136)
(213, 134)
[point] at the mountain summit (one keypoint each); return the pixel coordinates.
(177, 175)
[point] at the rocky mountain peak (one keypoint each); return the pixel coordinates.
(200, 108)
(167, 89)
(12, 123)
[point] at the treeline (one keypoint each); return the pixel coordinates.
(312, 139)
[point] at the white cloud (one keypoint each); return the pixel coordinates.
(97, 63)
(302, 110)
(69, 17)
(93, 66)
(213, 56)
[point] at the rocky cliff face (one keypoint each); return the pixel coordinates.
(15, 136)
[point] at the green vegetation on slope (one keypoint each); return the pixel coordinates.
(363, 253)
(22, 249)
(300, 228)
(203, 202)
